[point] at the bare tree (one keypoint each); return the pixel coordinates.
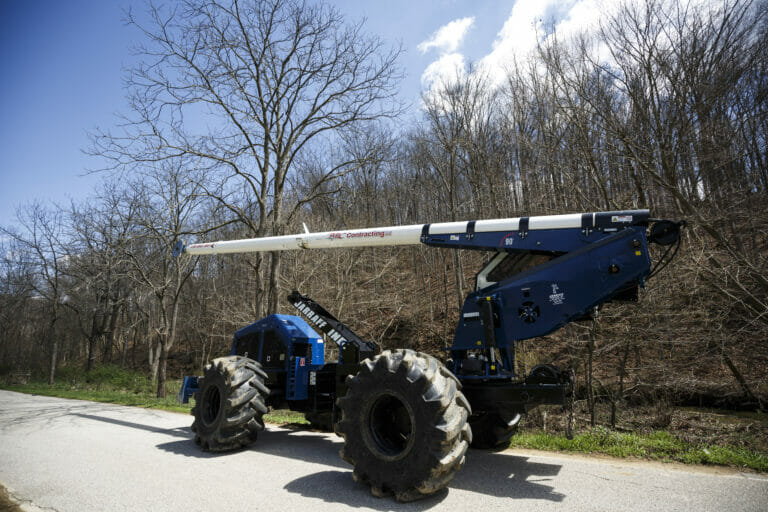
(40, 236)
(100, 230)
(273, 78)
(440, 151)
(165, 214)
(16, 289)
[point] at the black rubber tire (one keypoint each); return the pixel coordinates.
(491, 430)
(230, 404)
(322, 421)
(404, 424)
(545, 374)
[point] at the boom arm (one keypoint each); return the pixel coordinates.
(351, 346)
(493, 234)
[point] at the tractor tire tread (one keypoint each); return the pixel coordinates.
(440, 414)
(490, 432)
(242, 396)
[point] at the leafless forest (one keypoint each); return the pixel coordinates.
(248, 119)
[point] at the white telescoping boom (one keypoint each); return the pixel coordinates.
(381, 236)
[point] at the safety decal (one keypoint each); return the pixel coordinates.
(557, 296)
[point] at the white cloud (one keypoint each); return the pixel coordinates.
(444, 70)
(583, 16)
(448, 38)
(517, 38)
(450, 64)
(529, 23)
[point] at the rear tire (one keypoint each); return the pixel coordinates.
(404, 423)
(230, 404)
(492, 431)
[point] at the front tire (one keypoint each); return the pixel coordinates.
(404, 423)
(230, 404)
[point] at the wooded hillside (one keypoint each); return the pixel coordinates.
(299, 121)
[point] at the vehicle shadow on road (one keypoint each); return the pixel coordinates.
(502, 475)
(338, 487)
(505, 475)
(35, 417)
(184, 432)
(498, 474)
(293, 444)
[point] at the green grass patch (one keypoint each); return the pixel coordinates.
(659, 445)
(115, 385)
(147, 400)
(283, 416)
(108, 384)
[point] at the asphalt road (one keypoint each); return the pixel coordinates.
(71, 455)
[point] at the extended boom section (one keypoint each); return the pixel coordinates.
(481, 234)
(393, 407)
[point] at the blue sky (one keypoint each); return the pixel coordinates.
(62, 65)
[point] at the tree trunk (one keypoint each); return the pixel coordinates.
(259, 302)
(91, 346)
(274, 284)
(619, 394)
(123, 352)
(742, 382)
(111, 334)
(459, 275)
(133, 349)
(153, 350)
(54, 345)
(590, 390)
(154, 358)
(161, 374)
(54, 350)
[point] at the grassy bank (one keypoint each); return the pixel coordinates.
(659, 445)
(116, 385)
(119, 386)
(148, 400)
(113, 396)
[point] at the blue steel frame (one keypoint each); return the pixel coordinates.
(590, 265)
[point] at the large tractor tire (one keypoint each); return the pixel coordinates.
(322, 421)
(230, 404)
(492, 430)
(404, 424)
